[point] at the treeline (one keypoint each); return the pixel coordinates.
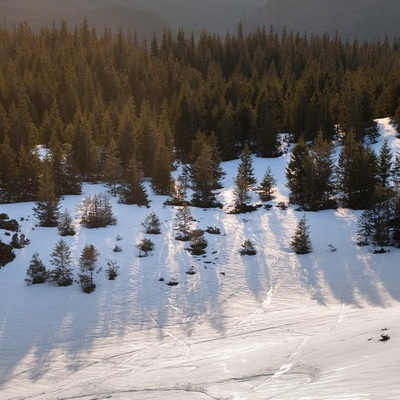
(104, 103)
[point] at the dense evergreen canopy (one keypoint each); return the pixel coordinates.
(78, 91)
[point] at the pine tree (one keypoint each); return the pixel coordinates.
(248, 248)
(179, 191)
(269, 111)
(267, 185)
(319, 179)
(356, 173)
(183, 222)
(145, 246)
(152, 224)
(205, 174)
(28, 174)
(132, 190)
(47, 206)
(112, 168)
(87, 263)
(198, 242)
(71, 180)
(384, 164)
(245, 168)
(295, 171)
(242, 193)
(301, 242)
(61, 260)
(37, 272)
(65, 224)
(161, 176)
(96, 211)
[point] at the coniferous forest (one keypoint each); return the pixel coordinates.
(115, 108)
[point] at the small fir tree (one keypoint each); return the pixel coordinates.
(178, 191)
(267, 185)
(37, 272)
(301, 242)
(248, 248)
(183, 222)
(61, 260)
(87, 263)
(242, 194)
(152, 224)
(65, 224)
(198, 242)
(145, 246)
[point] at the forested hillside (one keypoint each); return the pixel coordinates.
(108, 107)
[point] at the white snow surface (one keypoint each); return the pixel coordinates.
(271, 326)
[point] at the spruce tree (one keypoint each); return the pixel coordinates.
(356, 173)
(245, 168)
(295, 171)
(248, 248)
(61, 260)
(132, 190)
(87, 263)
(96, 211)
(48, 204)
(242, 193)
(183, 222)
(65, 224)
(205, 174)
(319, 178)
(179, 191)
(384, 168)
(112, 168)
(198, 242)
(152, 224)
(267, 185)
(37, 272)
(145, 246)
(301, 242)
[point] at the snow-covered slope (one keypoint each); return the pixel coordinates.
(275, 325)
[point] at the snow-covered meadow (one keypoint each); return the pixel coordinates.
(271, 326)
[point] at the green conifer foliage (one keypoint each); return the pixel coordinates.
(48, 204)
(132, 190)
(61, 260)
(37, 272)
(301, 242)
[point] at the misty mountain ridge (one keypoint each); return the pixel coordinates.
(361, 19)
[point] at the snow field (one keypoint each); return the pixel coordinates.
(270, 326)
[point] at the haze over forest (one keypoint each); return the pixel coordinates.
(361, 19)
